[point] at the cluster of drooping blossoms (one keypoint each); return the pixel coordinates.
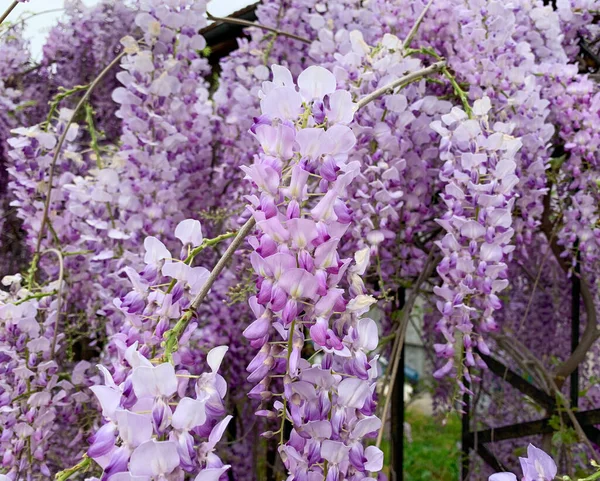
(14, 58)
(31, 157)
(166, 114)
(91, 35)
(576, 110)
(153, 425)
(42, 396)
(479, 177)
(104, 204)
(162, 292)
(519, 37)
(576, 24)
(302, 175)
(67, 227)
(157, 412)
(240, 77)
(394, 145)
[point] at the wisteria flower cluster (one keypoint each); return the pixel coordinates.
(40, 404)
(144, 436)
(329, 402)
(479, 191)
(209, 265)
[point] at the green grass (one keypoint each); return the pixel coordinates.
(434, 453)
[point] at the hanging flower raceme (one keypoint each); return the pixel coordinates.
(91, 35)
(14, 56)
(105, 203)
(31, 155)
(156, 413)
(479, 194)
(72, 223)
(301, 178)
(392, 197)
(576, 106)
(155, 418)
(41, 394)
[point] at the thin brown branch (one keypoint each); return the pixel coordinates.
(33, 68)
(173, 336)
(235, 244)
(537, 279)
(246, 23)
(8, 10)
(58, 148)
(590, 334)
(538, 378)
(415, 27)
(61, 276)
(23, 20)
(401, 82)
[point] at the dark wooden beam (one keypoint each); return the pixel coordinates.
(516, 381)
(397, 411)
(542, 426)
(222, 38)
(490, 459)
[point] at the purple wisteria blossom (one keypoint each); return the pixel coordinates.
(537, 466)
(301, 178)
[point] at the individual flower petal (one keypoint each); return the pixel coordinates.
(374, 457)
(353, 393)
(277, 141)
(154, 458)
(341, 107)
(368, 334)
(366, 426)
(156, 251)
(109, 399)
(127, 477)
(196, 278)
(282, 103)
(282, 77)
(188, 414)
(154, 381)
(334, 451)
(538, 465)
(215, 357)
(165, 85)
(502, 477)
(299, 283)
(211, 474)
(315, 82)
(189, 232)
(318, 429)
(482, 106)
(472, 230)
(134, 428)
(217, 433)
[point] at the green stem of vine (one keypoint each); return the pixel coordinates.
(83, 465)
(459, 92)
(290, 345)
(206, 243)
(172, 336)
